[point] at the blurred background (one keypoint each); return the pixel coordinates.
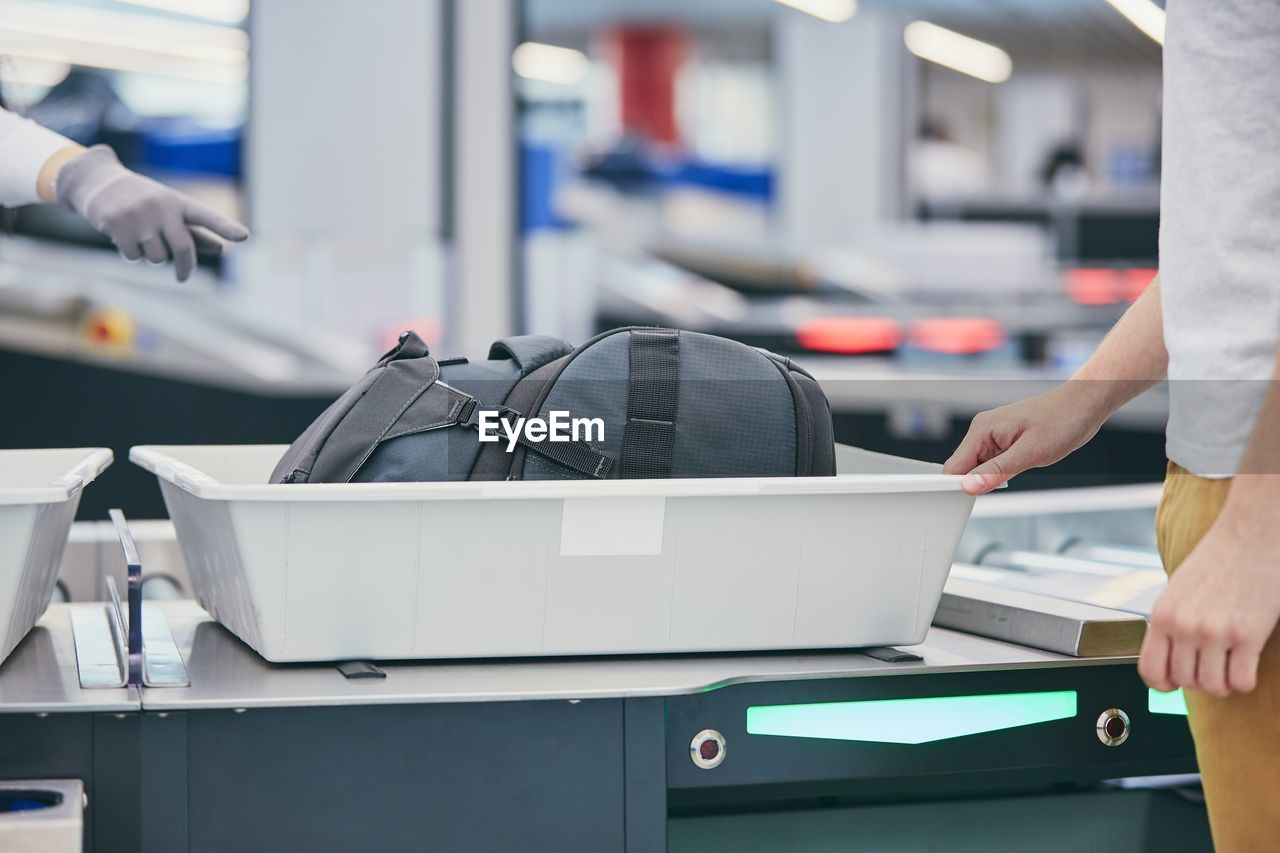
(935, 205)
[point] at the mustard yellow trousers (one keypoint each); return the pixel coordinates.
(1237, 738)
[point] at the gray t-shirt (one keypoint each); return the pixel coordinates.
(1220, 224)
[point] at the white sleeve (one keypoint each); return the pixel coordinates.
(24, 149)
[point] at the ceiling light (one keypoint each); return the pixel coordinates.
(958, 52)
(222, 11)
(23, 20)
(122, 41)
(550, 64)
(1144, 15)
(834, 11)
(114, 59)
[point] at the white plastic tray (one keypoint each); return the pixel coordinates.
(39, 494)
(498, 569)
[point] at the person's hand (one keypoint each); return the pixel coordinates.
(142, 217)
(1210, 624)
(1004, 442)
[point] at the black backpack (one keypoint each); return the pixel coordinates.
(630, 403)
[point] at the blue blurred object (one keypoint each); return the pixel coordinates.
(1003, 356)
(633, 168)
(755, 183)
(179, 148)
(27, 800)
(1131, 165)
(627, 166)
(540, 173)
(85, 108)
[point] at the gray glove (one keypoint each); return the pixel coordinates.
(142, 217)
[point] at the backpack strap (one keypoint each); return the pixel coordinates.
(399, 392)
(405, 398)
(494, 463)
(409, 346)
(653, 393)
(529, 352)
(576, 455)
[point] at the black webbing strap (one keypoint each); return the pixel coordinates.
(408, 346)
(652, 396)
(577, 455)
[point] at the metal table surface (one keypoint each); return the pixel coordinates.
(41, 677)
(226, 673)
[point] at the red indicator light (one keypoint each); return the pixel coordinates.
(709, 749)
(850, 335)
(957, 335)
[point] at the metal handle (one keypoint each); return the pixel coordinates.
(114, 646)
(132, 619)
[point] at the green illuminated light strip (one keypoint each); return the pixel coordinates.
(911, 720)
(1167, 703)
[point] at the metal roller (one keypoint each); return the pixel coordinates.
(1039, 561)
(1120, 555)
(161, 587)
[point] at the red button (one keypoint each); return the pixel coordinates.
(1115, 728)
(708, 749)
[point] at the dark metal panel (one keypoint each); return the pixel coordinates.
(162, 749)
(145, 409)
(644, 745)
(115, 795)
(1094, 821)
(1031, 756)
(528, 776)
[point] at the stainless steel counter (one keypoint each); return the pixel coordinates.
(40, 676)
(225, 673)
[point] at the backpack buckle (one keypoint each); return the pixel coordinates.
(470, 415)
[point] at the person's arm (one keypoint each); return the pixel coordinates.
(142, 217)
(1039, 431)
(29, 158)
(1209, 626)
(46, 180)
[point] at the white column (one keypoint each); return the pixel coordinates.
(484, 297)
(343, 162)
(844, 91)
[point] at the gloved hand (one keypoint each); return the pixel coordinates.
(142, 217)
